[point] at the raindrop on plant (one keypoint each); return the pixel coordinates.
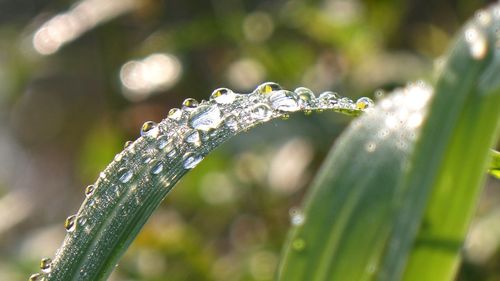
(175, 114)
(124, 175)
(89, 190)
(205, 118)
(148, 128)
(70, 223)
(127, 144)
(37, 277)
(261, 112)
(328, 99)
(162, 141)
(191, 160)
(223, 96)
(45, 265)
(193, 137)
(268, 87)
(364, 103)
(189, 104)
(477, 43)
(231, 122)
(284, 101)
(306, 97)
(157, 168)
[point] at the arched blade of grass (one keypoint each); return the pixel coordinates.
(134, 184)
(366, 207)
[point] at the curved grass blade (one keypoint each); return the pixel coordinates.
(134, 184)
(367, 205)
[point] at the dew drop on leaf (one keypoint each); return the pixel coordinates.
(89, 190)
(284, 101)
(223, 96)
(148, 128)
(157, 168)
(189, 104)
(268, 87)
(193, 137)
(45, 265)
(205, 118)
(37, 277)
(175, 114)
(191, 160)
(127, 144)
(261, 112)
(124, 175)
(70, 223)
(364, 103)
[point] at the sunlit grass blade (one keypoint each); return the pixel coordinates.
(367, 205)
(134, 184)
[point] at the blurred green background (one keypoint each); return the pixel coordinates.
(77, 79)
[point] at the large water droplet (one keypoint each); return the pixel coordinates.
(328, 99)
(261, 111)
(476, 40)
(124, 175)
(46, 265)
(223, 96)
(193, 137)
(205, 118)
(306, 97)
(162, 141)
(148, 128)
(268, 87)
(231, 122)
(157, 168)
(127, 144)
(170, 149)
(175, 114)
(89, 190)
(37, 277)
(284, 101)
(70, 223)
(189, 104)
(190, 160)
(364, 103)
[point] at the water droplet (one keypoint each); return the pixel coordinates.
(364, 103)
(70, 223)
(205, 118)
(189, 104)
(82, 220)
(477, 43)
(306, 97)
(298, 244)
(170, 149)
(346, 103)
(193, 137)
(124, 175)
(231, 122)
(157, 168)
(190, 160)
(175, 114)
(148, 128)
(147, 160)
(268, 87)
(45, 265)
(223, 96)
(284, 101)
(162, 141)
(89, 190)
(261, 111)
(37, 277)
(127, 144)
(297, 217)
(118, 157)
(328, 99)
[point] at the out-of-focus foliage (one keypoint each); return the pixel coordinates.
(77, 79)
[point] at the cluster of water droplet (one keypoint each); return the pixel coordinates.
(181, 141)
